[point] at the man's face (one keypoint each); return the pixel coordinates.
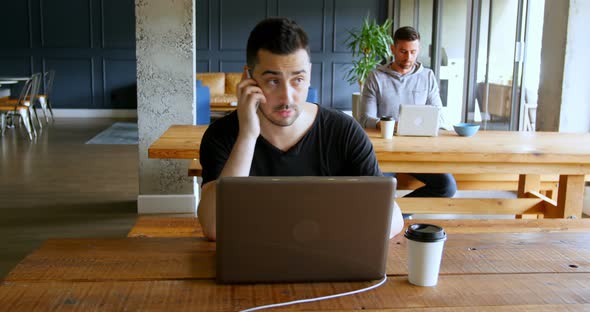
(284, 80)
(405, 53)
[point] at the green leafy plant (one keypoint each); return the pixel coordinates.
(370, 45)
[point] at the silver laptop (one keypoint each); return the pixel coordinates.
(418, 120)
(298, 229)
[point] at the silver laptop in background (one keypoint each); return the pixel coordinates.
(303, 229)
(418, 120)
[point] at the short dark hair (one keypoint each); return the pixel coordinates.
(279, 35)
(406, 33)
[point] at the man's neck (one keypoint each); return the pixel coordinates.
(284, 138)
(400, 70)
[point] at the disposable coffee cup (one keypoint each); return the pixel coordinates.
(387, 126)
(425, 248)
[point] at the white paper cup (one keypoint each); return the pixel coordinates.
(425, 248)
(387, 127)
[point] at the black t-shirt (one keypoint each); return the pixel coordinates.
(335, 145)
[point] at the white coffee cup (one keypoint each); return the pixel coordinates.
(387, 125)
(425, 248)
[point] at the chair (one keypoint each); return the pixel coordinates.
(203, 104)
(312, 96)
(45, 98)
(18, 108)
(33, 98)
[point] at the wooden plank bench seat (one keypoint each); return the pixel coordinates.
(483, 181)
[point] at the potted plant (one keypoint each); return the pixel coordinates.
(370, 45)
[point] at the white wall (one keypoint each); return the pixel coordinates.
(575, 107)
(564, 91)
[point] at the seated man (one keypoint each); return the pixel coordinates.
(274, 131)
(405, 81)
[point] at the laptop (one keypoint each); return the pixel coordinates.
(418, 120)
(303, 229)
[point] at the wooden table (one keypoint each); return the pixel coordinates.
(503, 265)
(529, 154)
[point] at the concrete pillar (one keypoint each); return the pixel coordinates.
(564, 93)
(165, 38)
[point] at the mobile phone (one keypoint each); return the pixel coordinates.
(249, 73)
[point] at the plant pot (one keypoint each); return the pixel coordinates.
(356, 103)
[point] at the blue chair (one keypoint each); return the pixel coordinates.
(313, 96)
(203, 110)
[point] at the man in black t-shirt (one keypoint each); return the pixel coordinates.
(274, 131)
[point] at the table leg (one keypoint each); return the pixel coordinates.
(528, 183)
(570, 197)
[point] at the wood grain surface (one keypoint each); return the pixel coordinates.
(483, 292)
(183, 141)
(194, 258)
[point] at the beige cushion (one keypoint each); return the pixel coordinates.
(215, 82)
(231, 82)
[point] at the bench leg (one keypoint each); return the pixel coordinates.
(570, 197)
(528, 183)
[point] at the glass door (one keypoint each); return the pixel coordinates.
(477, 50)
(497, 87)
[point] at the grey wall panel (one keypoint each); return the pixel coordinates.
(15, 66)
(203, 66)
(119, 83)
(325, 21)
(341, 90)
(66, 23)
(118, 27)
(73, 86)
(349, 14)
(203, 24)
(236, 20)
(317, 72)
(15, 24)
(310, 15)
(231, 66)
(66, 35)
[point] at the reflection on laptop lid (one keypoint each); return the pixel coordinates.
(295, 229)
(418, 120)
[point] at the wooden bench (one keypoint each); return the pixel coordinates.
(484, 181)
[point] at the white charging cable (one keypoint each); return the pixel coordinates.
(276, 305)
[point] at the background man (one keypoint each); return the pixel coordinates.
(405, 81)
(274, 131)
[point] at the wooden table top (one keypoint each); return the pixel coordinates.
(183, 142)
(496, 267)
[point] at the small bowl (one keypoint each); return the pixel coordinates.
(466, 129)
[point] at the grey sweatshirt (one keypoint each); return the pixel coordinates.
(385, 90)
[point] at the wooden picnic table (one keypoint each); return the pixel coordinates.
(529, 154)
(488, 265)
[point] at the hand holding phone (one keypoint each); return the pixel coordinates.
(250, 96)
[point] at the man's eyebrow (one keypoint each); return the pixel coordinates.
(277, 73)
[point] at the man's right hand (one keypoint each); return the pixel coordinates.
(249, 98)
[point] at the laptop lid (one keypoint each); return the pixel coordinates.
(295, 229)
(418, 120)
